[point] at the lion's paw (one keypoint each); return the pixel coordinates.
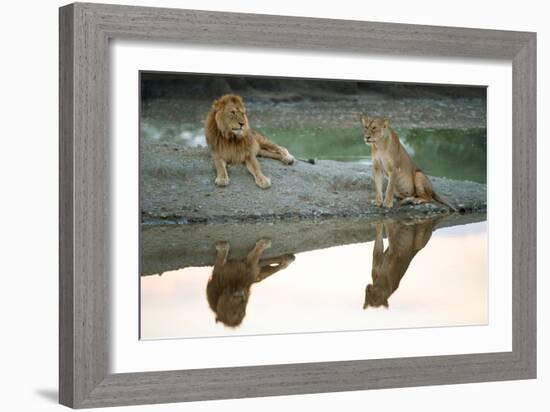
(222, 246)
(288, 159)
(222, 181)
(263, 182)
(376, 202)
(287, 260)
(264, 243)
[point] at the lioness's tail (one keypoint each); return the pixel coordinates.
(444, 202)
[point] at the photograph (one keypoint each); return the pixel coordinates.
(287, 205)
(282, 206)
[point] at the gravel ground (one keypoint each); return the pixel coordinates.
(177, 186)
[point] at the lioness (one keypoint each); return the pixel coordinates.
(228, 288)
(389, 157)
(231, 140)
(389, 267)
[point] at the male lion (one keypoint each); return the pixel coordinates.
(228, 288)
(389, 157)
(388, 267)
(231, 140)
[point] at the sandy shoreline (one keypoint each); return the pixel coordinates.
(177, 187)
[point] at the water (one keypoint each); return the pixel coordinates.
(445, 136)
(426, 279)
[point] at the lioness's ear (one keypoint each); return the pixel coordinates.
(364, 120)
(386, 122)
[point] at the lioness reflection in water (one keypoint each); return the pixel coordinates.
(228, 288)
(405, 240)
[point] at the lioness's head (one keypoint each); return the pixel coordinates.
(374, 129)
(230, 116)
(375, 296)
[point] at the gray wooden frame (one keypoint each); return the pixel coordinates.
(85, 31)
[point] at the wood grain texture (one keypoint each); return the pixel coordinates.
(524, 208)
(85, 31)
(66, 229)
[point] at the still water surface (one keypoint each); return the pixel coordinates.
(407, 277)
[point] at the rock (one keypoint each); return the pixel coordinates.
(328, 188)
(169, 247)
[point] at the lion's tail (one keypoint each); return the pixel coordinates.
(444, 202)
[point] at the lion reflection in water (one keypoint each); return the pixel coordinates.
(405, 240)
(228, 288)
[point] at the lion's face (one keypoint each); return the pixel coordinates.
(374, 129)
(375, 296)
(231, 306)
(231, 116)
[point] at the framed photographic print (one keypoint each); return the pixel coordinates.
(257, 205)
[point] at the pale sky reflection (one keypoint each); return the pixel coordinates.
(446, 284)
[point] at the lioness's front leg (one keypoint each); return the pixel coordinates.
(254, 168)
(388, 200)
(377, 251)
(378, 179)
(222, 179)
(222, 249)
